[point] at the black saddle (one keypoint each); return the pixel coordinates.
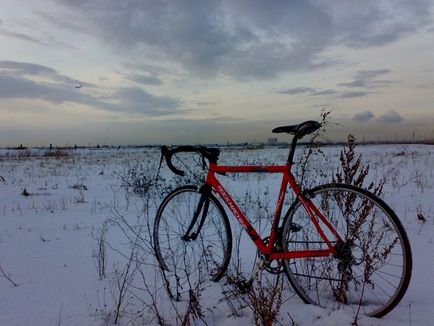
(300, 130)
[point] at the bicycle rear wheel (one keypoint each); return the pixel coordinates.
(186, 259)
(372, 268)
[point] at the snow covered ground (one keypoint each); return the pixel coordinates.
(52, 211)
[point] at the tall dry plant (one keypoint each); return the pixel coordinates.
(352, 171)
(362, 232)
(264, 298)
(306, 173)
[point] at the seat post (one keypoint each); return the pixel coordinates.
(292, 150)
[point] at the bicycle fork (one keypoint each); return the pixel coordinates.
(203, 207)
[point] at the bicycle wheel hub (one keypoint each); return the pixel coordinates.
(344, 250)
(345, 254)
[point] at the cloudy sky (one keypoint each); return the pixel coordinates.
(146, 72)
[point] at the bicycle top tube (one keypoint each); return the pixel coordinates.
(249, 168)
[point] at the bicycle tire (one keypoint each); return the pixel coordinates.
(185, 263)
(373, 276)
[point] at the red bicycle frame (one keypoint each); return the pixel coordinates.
(288, 178)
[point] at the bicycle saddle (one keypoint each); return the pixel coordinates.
(300, 130)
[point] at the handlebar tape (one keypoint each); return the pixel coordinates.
(209, 153)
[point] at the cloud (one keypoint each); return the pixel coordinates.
(307, 90)
(297, 90)
(135, 99)
(67, 23)
(21, 80)
(21, 88)
(364, 116)
(20, 69)
(325, 92)
(246, 39)
(150, 69)
(144, 79)
(20, 36)
(146, 74)
(353, 94)
(391, 116)
(362, 79)
(25, 68)
(207, 103)
(380, 22)
(367, 79)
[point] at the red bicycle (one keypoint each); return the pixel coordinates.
(336, 243)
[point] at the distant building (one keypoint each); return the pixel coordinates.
(272, 141)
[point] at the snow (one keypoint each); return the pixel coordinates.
(47, 239)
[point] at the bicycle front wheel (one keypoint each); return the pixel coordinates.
(190, 251)
(372, 268)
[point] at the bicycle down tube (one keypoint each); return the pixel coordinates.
(288, 178)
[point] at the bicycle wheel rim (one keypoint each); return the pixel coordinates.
(187, 264)
(379, 276)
